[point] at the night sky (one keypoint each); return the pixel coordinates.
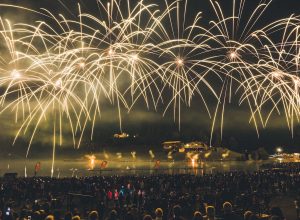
(151, 126)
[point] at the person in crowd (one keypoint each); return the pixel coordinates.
(275, 218)
(93, 215)
(248, 215)
(129, 216)
(228, 213)
(297, 205)
(277, 212)
(37, 216)
(68, 216)
(132, 197)
(159, 214)
(197, 216)
(76, 217)
(113, 215)
(210, 213)
(49, 217)
(177, 215)
(147, 217)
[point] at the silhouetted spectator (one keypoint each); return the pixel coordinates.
(159, 214)
(210, 213)
(49, 217)
(76, 217)
(228, 214)
(276, 212)
(113, 215)
(68, 216)
(177, 213)
(147, 217)
(93, 215)
(197, 216)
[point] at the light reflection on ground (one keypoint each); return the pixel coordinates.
(80, 167)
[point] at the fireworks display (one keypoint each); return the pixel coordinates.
(61, 69)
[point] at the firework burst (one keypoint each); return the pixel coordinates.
(60, 69)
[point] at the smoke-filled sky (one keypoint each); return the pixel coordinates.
(150, 125)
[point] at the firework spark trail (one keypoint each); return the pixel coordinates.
(235, 49)
(64, 69)
(276, 88)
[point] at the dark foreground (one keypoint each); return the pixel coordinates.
(137, 197)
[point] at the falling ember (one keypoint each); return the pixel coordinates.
(58, 173)
(206, 155)
(226, 154)
(189, 155)
(133, 154)
(193, 158)
(106, 156)
(193, 162)
(73, 170)
(119, 155)
(91, 161)
(151, 154)
(196, 156)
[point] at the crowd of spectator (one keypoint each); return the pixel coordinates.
(230, 195)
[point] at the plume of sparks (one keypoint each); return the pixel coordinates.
(62, 70)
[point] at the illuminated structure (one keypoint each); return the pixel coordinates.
(172, 145)
(196, 146)
(178, 146)
(121, 136)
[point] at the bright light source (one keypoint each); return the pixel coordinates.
(91, 161)
(233, 55)
(134, 57)
(110, 52)
(279, 150)
(193, 162)
(81, 64)
(15, 74)
(179, 62)
(133, 154)
(58, 83)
